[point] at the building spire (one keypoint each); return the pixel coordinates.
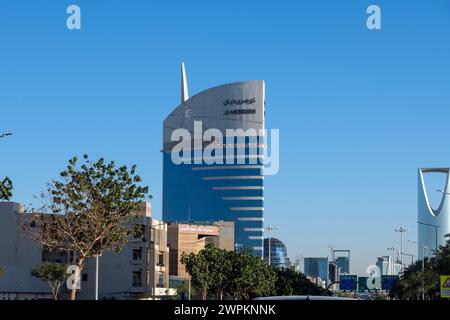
(184, 87)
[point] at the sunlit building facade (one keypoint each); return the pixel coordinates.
(433, 224)
(231, 188)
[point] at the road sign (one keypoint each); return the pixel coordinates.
(362, 284)
(445, 286)
(388, 281)
(348, 282)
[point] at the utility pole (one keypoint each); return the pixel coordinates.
(97, 256)
(425, 249)
(269, 229)
(401, 230)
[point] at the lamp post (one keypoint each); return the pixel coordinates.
(238, 246)
(424, 253)
(401, 230)
(269, 230)
(97, 256)
(6, 134)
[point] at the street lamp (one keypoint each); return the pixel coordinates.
(6, 134)
(97, 256)
(238, 246)
(269, 230)
(424, 253)
(401, 230)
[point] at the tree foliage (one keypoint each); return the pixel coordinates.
(53, 273)
(290, 282)
(2, 272)
(88, 210)
(220, 272)
(6, 187)
(251, 276)
(409, 287)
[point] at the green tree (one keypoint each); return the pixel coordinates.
(219, 268)
(240, 275)
(53, 273)
(2, 272)
(90, 209)
(290, 282)
(6, 187)
(410, 284)
(251, 277)
(198, 268)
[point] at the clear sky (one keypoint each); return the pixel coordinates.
(358, 110)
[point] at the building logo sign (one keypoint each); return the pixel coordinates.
(205, 230)
(239, 102)
(239, 111)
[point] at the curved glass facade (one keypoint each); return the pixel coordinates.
(196, 191)
(433, 224)
(278, 253)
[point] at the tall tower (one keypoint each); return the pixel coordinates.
(202, 192)
(433, 224)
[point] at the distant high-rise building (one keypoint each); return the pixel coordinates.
(317, 268)
(433, 223)
(344, 264)
(299, 264)
(388, 266)
(230, 189)
(334, 272)
(278, 253)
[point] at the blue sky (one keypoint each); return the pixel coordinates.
(358, 110)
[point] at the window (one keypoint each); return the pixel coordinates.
(137, 254)
(137, 279)
(160, 259)
(139, 231)
(84, 277)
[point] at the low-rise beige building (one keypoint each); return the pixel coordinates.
(191, 238)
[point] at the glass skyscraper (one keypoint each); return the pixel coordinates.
(278, 253)
(232, 187)
(316, 268)
(344, 264)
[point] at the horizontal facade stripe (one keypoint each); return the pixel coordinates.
(223, 157)
(247, 208)
(254, 229)
(225, 167)
(234, 178)
(242, 198)
(258, 248)
(256, 237)
(239, 188)
(251, 219)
